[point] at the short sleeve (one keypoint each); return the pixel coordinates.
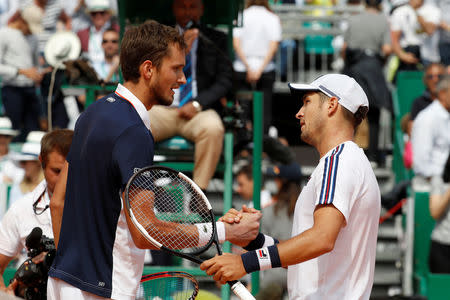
(275, 32)
(9, 233)
(133, 150)
(337, 184)
(396, 20)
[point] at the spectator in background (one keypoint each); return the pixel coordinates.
(444, 31)
(366, 43)
(193, 112)
(28, 159)
(7, 9)
(430, 136)
(108, 68)
(277, 216)
(9, 172)
(439, 256)
(433, 73)
(92, 36)
(32, 210)
(255, 45)
(45, 18)
(406, 127)
(20, 74)
(407, 29)
(429, 16)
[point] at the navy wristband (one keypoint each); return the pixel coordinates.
(261, 259)
(261, 241)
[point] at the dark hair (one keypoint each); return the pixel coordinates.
(58, 140)
(246, 170)
(148, 41)
(357, 117)
(111, 29)
(287, 196)
(264, 3)
(354, 118)
(374, 4)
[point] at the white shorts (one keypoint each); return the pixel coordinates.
(60, 290)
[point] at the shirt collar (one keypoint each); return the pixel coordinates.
(125, 93)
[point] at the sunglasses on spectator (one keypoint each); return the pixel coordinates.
(430, 76)
(93, 13)
(110, 41)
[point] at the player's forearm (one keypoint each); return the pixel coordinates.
(310, 244)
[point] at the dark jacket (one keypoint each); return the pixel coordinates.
(367, 70)
(214, 68)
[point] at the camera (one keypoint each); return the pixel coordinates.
(32, 277)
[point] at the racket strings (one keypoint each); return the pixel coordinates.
(168, 208)
(168, 286)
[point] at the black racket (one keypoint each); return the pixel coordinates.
(168, 285)
(174, 215)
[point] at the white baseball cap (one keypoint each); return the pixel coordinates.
(349, 93)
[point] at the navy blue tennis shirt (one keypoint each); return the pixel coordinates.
(95, 251)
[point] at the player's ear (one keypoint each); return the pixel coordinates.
(332, 105)
(146, 69)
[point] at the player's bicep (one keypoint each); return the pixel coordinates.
(338, 184)
(330, 221)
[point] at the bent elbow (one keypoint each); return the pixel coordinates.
(56, 205)
(327, 246)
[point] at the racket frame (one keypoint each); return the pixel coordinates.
(173, 274)
(236, 286)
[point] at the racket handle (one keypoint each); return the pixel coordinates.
(239, 290)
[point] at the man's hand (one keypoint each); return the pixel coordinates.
(242, 233)
(32, 73)
(409, 58)
(226, 267)
(253, 76)
(234, 216)
(187, 111)
(190, 36)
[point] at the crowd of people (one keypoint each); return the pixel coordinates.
(182, 88)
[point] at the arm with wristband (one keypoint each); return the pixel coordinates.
(312, 243)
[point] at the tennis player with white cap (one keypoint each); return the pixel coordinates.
(331, 254)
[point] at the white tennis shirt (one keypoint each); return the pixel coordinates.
(345, 179)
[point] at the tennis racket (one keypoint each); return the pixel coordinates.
(168, 285)
(174, 215)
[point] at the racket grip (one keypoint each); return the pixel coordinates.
(239, 290)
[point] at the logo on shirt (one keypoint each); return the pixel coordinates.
(110, 99)
(101, 283)
(262, 254)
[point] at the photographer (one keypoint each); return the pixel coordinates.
(32, 210)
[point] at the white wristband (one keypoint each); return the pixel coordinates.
(220, 232)
(204, 233)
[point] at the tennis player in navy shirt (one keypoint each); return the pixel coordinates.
(98, 254)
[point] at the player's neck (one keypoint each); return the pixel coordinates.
(140, 92)
(335, 136)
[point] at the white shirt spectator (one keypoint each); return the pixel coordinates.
(431, 140)
(404, 19)
(20, 220)
(260, 27)
(7, 9)
(429, 49)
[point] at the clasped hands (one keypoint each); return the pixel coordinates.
(241, 228)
